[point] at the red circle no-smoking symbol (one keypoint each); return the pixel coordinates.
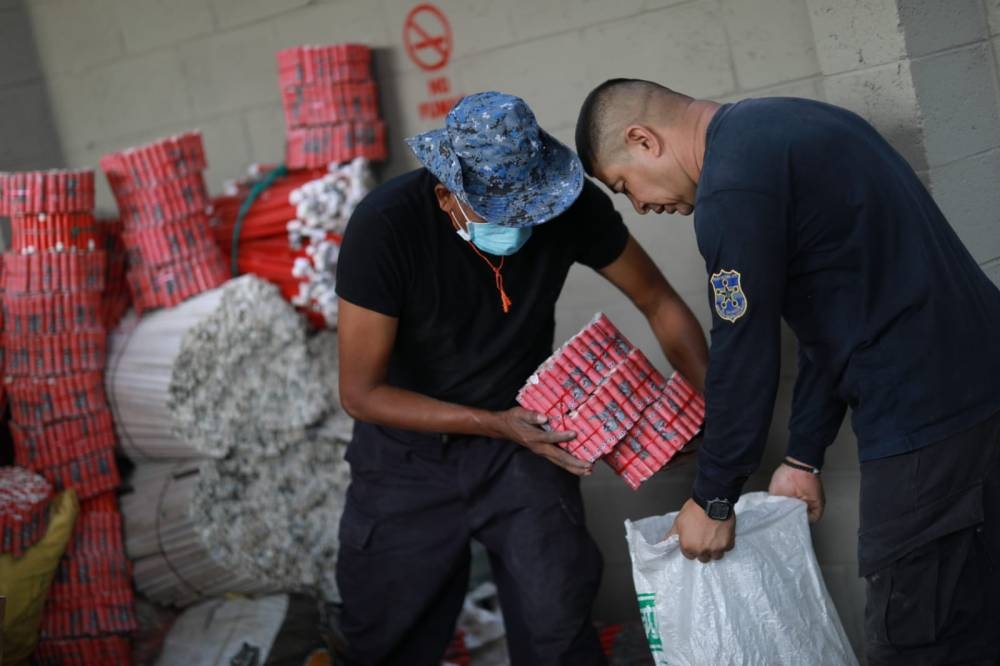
(427, 37)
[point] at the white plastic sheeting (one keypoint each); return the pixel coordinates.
(224, 631)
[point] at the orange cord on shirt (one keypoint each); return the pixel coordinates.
(504, 298)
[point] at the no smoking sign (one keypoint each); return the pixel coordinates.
(427, 37)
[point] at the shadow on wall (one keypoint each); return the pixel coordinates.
(902, 138)
(28, 137)
(391, 107)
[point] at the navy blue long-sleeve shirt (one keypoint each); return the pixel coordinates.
(804, 211)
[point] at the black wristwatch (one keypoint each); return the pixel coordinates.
(716, 509)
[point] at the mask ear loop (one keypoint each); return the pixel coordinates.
(505, 301)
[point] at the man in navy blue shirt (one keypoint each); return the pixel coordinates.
(805, 212)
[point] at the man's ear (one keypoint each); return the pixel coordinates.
(643, 139)
(443, 196)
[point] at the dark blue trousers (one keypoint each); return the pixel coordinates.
(415, 502)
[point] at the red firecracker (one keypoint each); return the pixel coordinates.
(165, 213)
(621, 408)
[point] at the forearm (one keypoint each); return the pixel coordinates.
(739, 400)
(398, 408)
(810, 450)
(817, 413)
(674, 325)
(681, 338)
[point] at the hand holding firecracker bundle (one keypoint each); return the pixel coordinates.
(621, 408)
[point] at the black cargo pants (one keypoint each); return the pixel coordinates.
(414, 503)
(929, 549)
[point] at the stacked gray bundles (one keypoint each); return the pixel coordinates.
(234, 384)
(278, 522)
(171, 563)
(140, 368)
(184, 382)
(200, 529)
(250, 358)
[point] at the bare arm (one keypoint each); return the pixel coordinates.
(366, 340)
(674, 325)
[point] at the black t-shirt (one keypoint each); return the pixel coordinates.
(401, 257)
(805, 212)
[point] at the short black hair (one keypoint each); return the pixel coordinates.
(592, 114)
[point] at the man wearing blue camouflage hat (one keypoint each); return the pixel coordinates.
(448, 278)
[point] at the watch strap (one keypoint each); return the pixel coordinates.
(712, 506)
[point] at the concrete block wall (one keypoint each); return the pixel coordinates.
(26, 136)
(953, 46)
(28, 139)
(121, 72)
(992, 267)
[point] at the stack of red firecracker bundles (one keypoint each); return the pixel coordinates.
(55, 344)
(90, 611)
(623, 410)
(165, 214)
(117, 299)
(257, 241)
(331, 105)
(332, 117)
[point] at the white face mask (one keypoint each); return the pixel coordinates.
(493, 238)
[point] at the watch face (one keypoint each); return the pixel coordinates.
(718, 509)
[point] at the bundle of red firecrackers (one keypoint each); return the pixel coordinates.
(165, 215)
(331, 105)
(105, 651)
(54, 339)
(332, 119)
(24, 509)
(117, 299)
(90, 609)
(260, 243)
(622, 409)
(55, 343)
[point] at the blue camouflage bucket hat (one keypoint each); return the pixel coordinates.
(494, 156)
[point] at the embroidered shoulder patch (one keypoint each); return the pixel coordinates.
(730, 301)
